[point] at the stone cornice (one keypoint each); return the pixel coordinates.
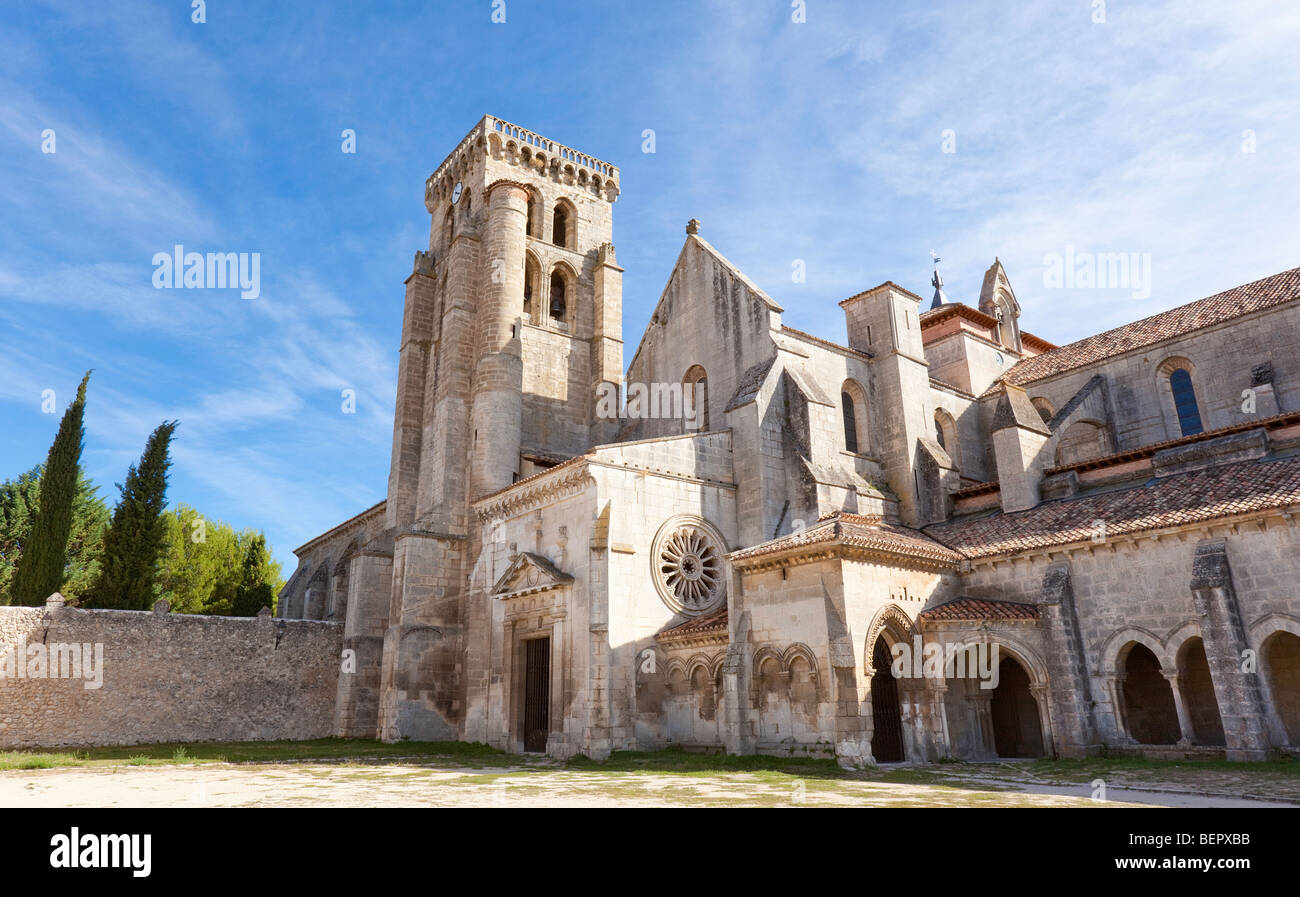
(351, 523)
(693, 639)
(560, 481)
(823, 551)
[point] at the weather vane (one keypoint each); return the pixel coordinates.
(937, 282)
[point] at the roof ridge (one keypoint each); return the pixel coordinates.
(1243, 296)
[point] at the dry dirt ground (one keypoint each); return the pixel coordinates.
(422, 783)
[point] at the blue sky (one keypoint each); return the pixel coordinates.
(820, 141)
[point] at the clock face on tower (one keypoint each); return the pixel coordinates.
(455, 193)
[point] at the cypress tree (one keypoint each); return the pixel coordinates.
(18, 504)
(41, 567)
(134, 540)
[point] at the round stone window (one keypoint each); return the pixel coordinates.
(688, 566)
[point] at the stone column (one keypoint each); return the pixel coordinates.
(986, 747)
(739, 734)
(1240, 703)
(1116, 685)
(1180, 707)
(1040, 695)
(511, 730)
(940, 690)
(557, 744)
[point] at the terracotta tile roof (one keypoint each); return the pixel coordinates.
(1039, 343)
(1242, 300)
(980, 609)
(855, 531)
(714, 621)
(933, 316)
(1170, 501)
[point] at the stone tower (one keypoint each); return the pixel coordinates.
(512, 321)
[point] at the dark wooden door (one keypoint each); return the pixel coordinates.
(886, 715)
(537, 694)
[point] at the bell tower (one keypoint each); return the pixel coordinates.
(512, 321)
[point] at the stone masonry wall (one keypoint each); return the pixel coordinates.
(168, 677)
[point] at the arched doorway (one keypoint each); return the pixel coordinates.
(1149, 711)
(1198, 694)
(1281, 656)
(886, 712)
(1017, 730)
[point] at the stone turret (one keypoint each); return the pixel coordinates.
(884, 321)
(498, 368)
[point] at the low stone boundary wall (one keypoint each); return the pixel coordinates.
(73, 677)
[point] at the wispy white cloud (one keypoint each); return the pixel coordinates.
(1123, 136)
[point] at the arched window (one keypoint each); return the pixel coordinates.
(695, 395)
(1182, 409)
(1189, 416)
(465, 206)
(945, 433)
(1044, 409)
(1004, 324)
(529, 226)
(853, 409)
(560, 226)
(850, 423)
(532, 281)
(448, 228)
(559, 305)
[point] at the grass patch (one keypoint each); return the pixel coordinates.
(38, 760)
(323, 749)
(1093, 766)
(684, 762)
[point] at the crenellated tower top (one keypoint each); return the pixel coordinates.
(502, 140)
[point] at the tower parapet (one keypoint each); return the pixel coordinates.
(520, 146)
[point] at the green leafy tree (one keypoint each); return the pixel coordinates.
(41, 567)
(200, 565)
(135, 538)
(255, 589)
(206, 567)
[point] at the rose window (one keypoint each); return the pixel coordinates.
(688, 567)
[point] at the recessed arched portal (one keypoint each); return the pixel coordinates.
(886, 711)
(1281, 656)
(1149, 711)
(1198, 694)
(1017, 730)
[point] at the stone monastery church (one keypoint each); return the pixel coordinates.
(1098, 539)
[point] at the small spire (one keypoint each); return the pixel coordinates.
(693, 226)
(937, 282)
